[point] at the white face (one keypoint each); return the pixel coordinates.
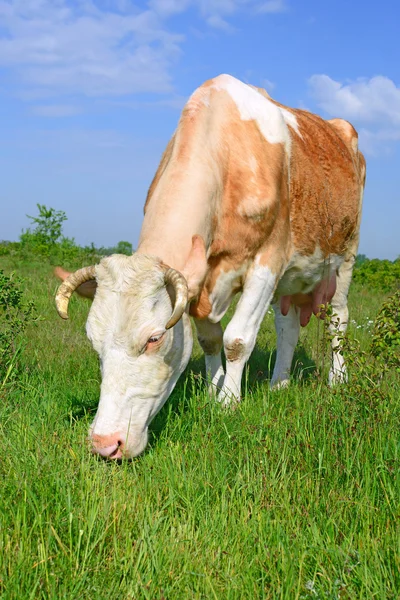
(140, 360)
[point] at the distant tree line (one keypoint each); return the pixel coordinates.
(45, 240)
(380, 274)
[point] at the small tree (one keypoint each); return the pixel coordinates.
(47, 232)
(124, 248)
(360, 259)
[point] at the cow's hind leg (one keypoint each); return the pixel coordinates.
(287, 335)
(339, 321)
(210, 339)
(241, 333)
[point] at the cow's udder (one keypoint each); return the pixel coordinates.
(310, 303)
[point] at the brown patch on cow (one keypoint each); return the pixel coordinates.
(201, 308)
(325, 185)
(253, 215)
(276, 251)
(250, 216)
(234, 350)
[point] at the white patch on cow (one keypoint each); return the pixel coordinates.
(253, 106)
(303, 273)
(290, 119)
(287, 334)
(223, 291)
(241, 332)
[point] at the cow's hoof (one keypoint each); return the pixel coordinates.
(336, 376)
(280, 384)
(227, 399)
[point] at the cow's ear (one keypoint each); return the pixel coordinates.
(195, 269)
(86, 290)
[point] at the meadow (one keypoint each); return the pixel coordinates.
(293, 495)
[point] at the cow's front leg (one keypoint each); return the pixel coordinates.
(287, 334)
(210, 339)
(241, 333)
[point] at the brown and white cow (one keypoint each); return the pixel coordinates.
(252, 197)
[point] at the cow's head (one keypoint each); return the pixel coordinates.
(139, 326)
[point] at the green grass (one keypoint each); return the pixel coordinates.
(295, 494)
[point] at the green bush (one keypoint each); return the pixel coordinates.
(379, 274)
(370, 370)
(7, 248)
(122, 247)
(46, 240)
(47, 232)
(15, 315)
(386, 333)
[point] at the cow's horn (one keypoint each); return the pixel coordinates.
(68, 287)
(180, 286)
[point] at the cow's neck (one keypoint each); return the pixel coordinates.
(178, 209)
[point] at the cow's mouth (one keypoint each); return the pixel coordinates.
(110, 452)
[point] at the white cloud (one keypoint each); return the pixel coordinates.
(77, 48)
(376, 99)
(376, 142)
(215, 11)
(52, 48)
(169, 7)
(218, 22)
(272, 6)
(56, 110)
(372, 103)
(173, 101)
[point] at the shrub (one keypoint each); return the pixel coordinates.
(386, 333)
(47, 232)
(15, 315)
(369, 370)
(124, 248)
(121, 248)
(46, 239)
(380, 274)
(7, 248)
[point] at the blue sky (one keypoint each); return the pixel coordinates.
(91, 90)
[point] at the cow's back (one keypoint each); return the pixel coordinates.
(273, 184)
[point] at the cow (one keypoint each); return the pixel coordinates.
(250, 196)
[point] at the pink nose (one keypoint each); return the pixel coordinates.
(108, 446)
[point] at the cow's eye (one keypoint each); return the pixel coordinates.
(154, 339)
